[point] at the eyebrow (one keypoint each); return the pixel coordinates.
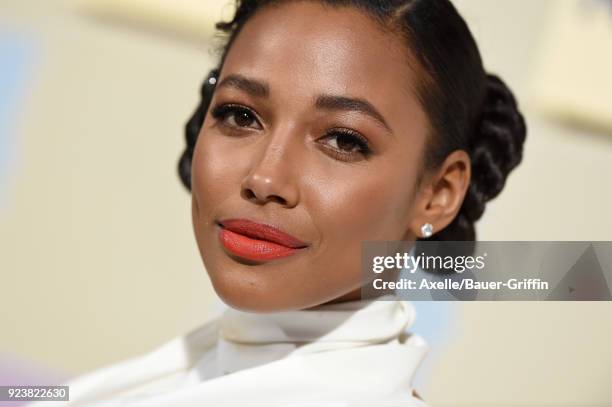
(261, 89)
(332, 102)
(251, 86)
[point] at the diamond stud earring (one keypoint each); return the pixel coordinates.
(427, 230)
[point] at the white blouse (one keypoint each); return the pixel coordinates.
(351, 354)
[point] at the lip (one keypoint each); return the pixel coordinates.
(257, 241)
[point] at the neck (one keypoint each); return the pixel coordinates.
(354, 295)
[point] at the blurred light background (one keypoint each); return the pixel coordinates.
(97, 258)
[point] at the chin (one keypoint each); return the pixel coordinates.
(247, 291)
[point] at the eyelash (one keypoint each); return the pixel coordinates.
(222, 112)
(355, 138)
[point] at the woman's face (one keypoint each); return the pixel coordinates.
(314, 129)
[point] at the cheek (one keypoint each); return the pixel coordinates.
(372, 202)
(213, 176)
(356, 205)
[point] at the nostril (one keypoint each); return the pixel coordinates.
(248, 194)
(277, 199)
(251, 196)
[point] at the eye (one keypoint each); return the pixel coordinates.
(346, 145)
(236, 116)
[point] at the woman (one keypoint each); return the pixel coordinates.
(327, 123)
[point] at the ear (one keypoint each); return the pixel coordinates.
(442, 192)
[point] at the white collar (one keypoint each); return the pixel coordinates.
(250, 339)
(353, 354)
(355, 321)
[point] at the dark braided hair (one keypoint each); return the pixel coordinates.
(468, 108)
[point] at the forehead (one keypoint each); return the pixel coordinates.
(306, 48)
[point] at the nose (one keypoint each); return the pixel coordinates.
(271, 176)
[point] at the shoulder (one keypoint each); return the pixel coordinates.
(170, 359)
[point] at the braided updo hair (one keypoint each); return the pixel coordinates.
(468, 108)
